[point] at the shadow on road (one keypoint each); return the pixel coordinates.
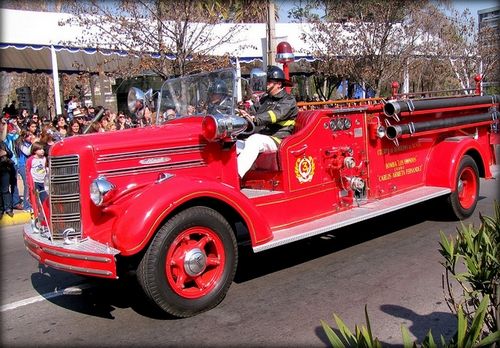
(98, 297)
(256, 265)
(440, 323)
(438, 209)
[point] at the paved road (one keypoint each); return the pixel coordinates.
(391, 264)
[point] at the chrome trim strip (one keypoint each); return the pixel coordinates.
(84, 246)
(77, 256)
(61, 160)
(77, 269)
(31, 244)
(150, 153)
(151, 168)
(34, 255)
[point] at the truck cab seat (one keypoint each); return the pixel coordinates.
(303, 118)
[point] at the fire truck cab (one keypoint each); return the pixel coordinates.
(167, 200)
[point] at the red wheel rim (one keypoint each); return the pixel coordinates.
(195, 262)
(467, 188)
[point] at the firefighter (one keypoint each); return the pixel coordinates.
(276, 117)
(219, 100)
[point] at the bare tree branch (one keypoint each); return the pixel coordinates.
(181, 32)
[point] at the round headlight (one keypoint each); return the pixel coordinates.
(98, 190)
(95, 195)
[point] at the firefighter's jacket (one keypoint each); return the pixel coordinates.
(276, 115)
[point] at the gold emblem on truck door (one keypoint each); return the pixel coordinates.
(304, 169)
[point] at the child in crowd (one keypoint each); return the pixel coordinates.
(37, 166)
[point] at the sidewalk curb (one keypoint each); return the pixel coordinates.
(17, 219)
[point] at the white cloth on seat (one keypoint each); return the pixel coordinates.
(249, 149)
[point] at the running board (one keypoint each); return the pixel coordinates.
(352, 216)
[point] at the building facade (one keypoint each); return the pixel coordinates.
(489, 40)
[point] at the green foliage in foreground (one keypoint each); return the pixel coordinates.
(478, 249)
(466, 336)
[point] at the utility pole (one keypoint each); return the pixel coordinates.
(55, 77)
(271, 33)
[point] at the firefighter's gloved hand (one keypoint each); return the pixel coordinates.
(242, 113)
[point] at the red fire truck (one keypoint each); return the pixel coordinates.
(167, 201)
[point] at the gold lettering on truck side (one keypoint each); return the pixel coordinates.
(400, 148)
(398, 168)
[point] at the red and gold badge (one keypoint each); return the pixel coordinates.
(304, 169)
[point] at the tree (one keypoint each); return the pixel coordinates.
(375, 41)
(467, 48)
(368, 41)
(169, 38)
(42, 88)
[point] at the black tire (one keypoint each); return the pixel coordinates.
(463, 199)
(191, 262)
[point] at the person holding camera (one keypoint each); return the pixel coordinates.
(23, 149)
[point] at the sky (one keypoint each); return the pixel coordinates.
(460, 5)
(475, 5)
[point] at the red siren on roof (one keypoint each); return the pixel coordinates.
(284, 53)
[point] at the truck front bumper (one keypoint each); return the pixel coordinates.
(86, 256)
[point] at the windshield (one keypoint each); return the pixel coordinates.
(200, 94)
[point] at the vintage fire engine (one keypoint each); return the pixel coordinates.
(167, 201)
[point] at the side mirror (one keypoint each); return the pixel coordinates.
(258, 79)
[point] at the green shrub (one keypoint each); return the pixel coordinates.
(362, 336)
(479, 251)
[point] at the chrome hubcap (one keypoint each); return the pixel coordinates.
(195, 262)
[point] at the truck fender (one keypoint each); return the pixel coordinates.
(445, 157)
(137, 222)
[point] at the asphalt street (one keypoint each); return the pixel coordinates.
(390, 264)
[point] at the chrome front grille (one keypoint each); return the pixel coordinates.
(64, 197)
